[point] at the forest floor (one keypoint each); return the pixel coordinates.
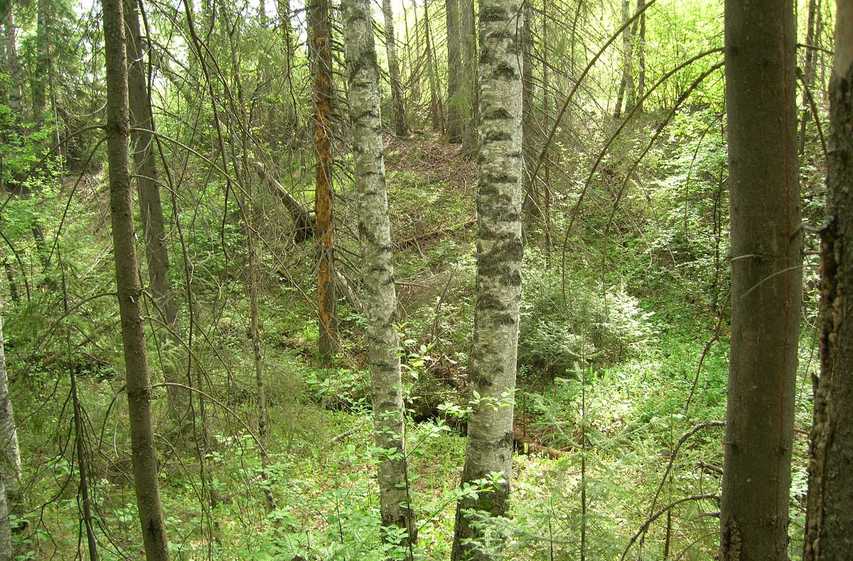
(595, 437)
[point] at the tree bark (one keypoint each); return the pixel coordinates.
(499, 255)
(380, 296)
(129, 290)
(531, 203)
(150, 205)
(809, 69)
(321, 40)
(455, 94)
(829, 516)
(766, 279)
(401, 127)
(436, 112)
(641, 55)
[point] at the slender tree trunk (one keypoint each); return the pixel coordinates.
(809, 70)
(150, 205)
(469, 77)
(641, 55)
(43, 63)
(829, 517)
(284, 16)
(546, 125)
(531, 204)
(499, 255)
(10, 463)
(413, 52)
(380, 295)
(83, 470)
(321, 40)
(129, 290)
(12, 65)
(766, 279)
(401, 127)
(455, 78)
(436, 112)
(626, 86)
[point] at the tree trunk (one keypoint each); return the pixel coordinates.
(469, 77)
(12, 66)
(401, 127)
(809, 69)
(436, 112)
(829, 517)
(766, 279)
(10, 463)
(150, 206)
(379, 290)
(499, 255)
(641, 54)
(626, 86)
(321, 40)
(531, 200)
(455, 95)
(129, 290)
(43, 63)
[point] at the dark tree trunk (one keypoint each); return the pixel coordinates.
(469, 77)
(829, 518)
(129, 290)
(766, 279)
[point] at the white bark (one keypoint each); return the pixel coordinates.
(499, 255)
(10, 462)
(380, 297)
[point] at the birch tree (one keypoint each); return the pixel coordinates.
(380, 296)
(829, 517)
(10, 463)
(492, 369)
(143, 455)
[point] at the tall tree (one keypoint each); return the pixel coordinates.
(455, 77)
(10, 462)
(436, 111)
(809, 68)
(641, 54)
(321, 47)
(401, 127)
(499, 255)
(829, 517)
(766, 279)
(41, 76)
(468, 34)
(12, 66)
(129, 290)
(380, 296)
(626, 85)
(150, 205)
(531, 203)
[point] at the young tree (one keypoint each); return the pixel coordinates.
(150, 206)
(829, 516)
(401, 127)
(766, 279)
(380, 296)
(469, 76)
(129, 290)
(499, 254)
(321, 47)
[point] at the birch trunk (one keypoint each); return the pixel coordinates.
(10, 468)
(401, 127)
(766, 273)
(129, 290)
(829, 517)
(379, 293)
(499, 255)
